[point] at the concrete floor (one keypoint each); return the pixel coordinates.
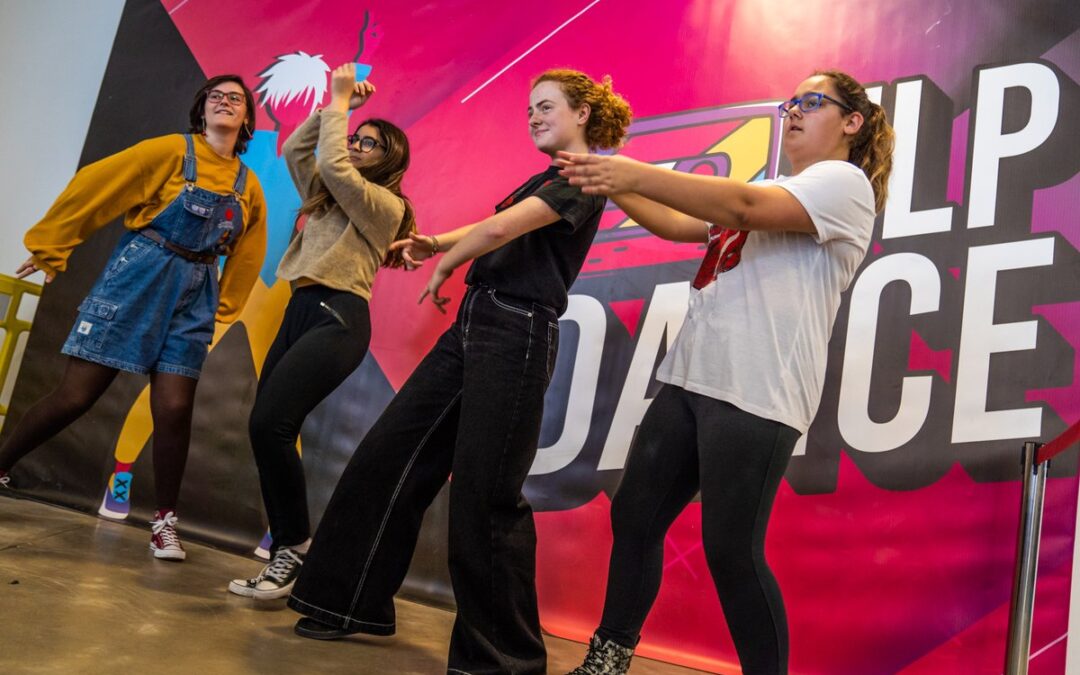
(79, 594)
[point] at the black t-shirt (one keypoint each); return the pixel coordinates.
(540, 266)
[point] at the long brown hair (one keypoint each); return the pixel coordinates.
(387, 172)
(609, 113)
(872, 147)
(197, 119)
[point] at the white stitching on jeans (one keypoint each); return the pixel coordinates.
(326, 611)
(510, 308)
(393, 500)
(467, 316)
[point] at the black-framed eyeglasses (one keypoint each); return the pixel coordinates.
(216, 95)
(811, 100)
(367, 143)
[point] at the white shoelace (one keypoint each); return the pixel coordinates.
(4, 480)
(284, 562)
(166, 527)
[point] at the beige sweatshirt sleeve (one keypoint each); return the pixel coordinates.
(299, 153)
(373, 210)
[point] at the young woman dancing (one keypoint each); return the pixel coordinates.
(351, 187)
(188, 200)
(744, 377)
(472, 407)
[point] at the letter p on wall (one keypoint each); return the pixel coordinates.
(990, 144)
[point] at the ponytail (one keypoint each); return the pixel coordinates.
(872, 147)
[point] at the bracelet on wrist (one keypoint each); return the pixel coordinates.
(434, 244)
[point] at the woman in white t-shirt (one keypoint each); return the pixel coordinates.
(744, 377)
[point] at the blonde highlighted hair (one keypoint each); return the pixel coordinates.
(609, 113)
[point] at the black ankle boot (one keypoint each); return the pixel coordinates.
(317, 630)
(604, 658)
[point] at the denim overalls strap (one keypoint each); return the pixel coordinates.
(241, 180)
(190, 173)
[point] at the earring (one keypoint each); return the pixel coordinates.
(248, 133)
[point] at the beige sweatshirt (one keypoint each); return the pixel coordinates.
(343, 247)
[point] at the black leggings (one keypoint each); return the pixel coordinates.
(688, 442)
(322, 340)
(172, 398)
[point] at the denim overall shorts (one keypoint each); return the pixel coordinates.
(153, 306)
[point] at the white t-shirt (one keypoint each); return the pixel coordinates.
(757, 337)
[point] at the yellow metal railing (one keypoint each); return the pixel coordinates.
(12, 290)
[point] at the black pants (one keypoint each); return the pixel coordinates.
(688, 442)
(323, 338)
(473, 406)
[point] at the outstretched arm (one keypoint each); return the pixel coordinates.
(663, 221)
(713, 199)
(473, 241)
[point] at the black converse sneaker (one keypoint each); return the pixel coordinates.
(275, 580)
(604, 658)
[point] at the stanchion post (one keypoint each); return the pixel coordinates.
(1021, 609)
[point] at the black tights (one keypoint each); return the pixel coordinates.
(172, 398)
(688, 442)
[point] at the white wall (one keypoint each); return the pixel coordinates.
(53, 55)
(52, 59)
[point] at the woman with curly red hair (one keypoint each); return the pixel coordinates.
(472, 407)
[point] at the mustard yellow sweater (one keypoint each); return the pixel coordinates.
(140, 182)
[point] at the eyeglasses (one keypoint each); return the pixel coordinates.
(367, 143)
(216, 95)
(811, 100)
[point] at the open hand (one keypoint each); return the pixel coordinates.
(434, 284)
(29, 267)
(414, 250)
(598, 174)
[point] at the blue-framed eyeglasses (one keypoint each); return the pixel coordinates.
(811, 100)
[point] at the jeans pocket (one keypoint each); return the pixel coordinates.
(192, 226)
(552, 347)
(510, 308)
(135, 250)
(93, 321)
(334, 313)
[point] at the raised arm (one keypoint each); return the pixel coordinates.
(375, 211)
(299, 154)
(713, 199)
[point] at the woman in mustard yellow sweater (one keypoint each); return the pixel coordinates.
(188, 199)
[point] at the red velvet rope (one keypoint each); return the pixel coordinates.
(1059, 444)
